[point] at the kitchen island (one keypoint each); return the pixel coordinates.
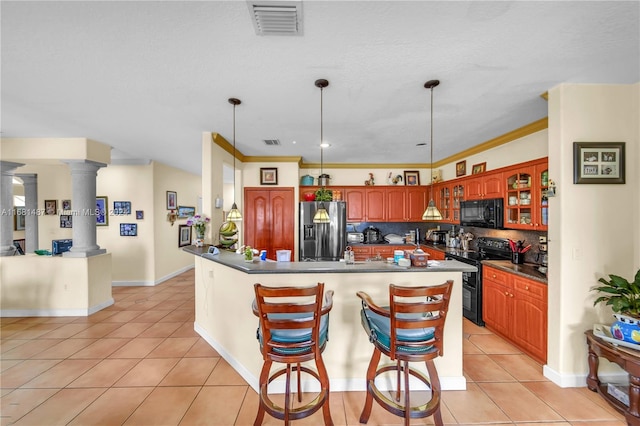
(224, 318)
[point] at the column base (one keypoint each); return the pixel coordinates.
(7, 250)
(88, 253)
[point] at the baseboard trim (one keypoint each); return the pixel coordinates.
(10, 313)
(151, 283)
(580, 380)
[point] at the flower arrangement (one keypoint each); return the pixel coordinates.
(199, 222)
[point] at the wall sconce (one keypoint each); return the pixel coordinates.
(172, 216)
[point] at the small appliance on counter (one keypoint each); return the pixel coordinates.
(372, 235)
(355, 237)
(437, 237)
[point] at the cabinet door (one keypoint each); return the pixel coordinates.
(493, 186)
(458, 197)
(356, 204)
(376, 206)
(269, 219)
(530, 317)
(496, 306)
(473, 188)
(415, 203)
(396, 201)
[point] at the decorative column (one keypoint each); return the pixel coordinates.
(83, 200)
(30, 183)
(6, 207)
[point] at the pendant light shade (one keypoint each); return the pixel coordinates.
(321, 216)
(234, 214)
(431, 213)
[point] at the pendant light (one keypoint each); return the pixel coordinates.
(321, 216)
(431, 213)
(234, 214)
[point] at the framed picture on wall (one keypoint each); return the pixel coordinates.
(122, 207)
(184, 235)
(186, 211)
(66, 204)
(102, 211)
(19, 219)
(461, 168)
(172, 200)
(479, 168)
(128, 230)
(50, 207)
(66, 221)
(411, 177)
(598, 162)
(139, 214)
(268, 176)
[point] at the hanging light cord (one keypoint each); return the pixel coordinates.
(431, 159)
(321, 135)
(234, 152)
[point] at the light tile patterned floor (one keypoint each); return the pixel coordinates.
(140, 362)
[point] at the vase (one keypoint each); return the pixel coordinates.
(626, 328)
(199, 238)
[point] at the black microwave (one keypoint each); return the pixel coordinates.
(483, 213)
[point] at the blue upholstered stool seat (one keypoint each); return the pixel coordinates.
(300, 335)
(379, 329)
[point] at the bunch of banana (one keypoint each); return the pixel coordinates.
(228, 229)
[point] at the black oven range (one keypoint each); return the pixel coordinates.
(488, 248)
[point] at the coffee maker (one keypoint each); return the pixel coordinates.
(542, 259)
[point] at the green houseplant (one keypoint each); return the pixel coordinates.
(624, 298)
(324, 194)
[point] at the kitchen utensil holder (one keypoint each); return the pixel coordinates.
(517, 258)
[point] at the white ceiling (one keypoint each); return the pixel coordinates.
(149, 77)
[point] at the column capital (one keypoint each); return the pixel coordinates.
(27, 178)
(83, 165)
(7, 167)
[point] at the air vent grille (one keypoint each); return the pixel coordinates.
(272, 142)
(276, 17)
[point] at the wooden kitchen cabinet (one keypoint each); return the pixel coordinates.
(356, 204)
(376, 204)
(405, 204)
(449, 195)
(269, 219)
(361, 252)
(515, 307)
(433, 253)
(485, 186)
(526, 205)
(365, 204)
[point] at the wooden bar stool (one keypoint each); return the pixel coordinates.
(410, 329)
(294, 325)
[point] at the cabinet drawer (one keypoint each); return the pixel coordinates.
(361, 250)
(384, 251)
(530, 288)
(495, 275)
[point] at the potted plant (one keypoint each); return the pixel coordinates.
(624, 298)
(324, 194)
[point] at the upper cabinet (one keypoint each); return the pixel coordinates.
(448, 196)
(484, 186)
(526, 205)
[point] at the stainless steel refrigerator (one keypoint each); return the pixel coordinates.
(322, 241)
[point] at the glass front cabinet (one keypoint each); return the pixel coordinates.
(526, 204)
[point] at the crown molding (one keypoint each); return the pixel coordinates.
(518, 133)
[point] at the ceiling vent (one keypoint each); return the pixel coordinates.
(271, 142)
(276, 17)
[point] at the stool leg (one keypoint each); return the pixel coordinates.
(398, 387)
(287, 395)
(299, 387)
(264, 380)
(407, 394)
(324, 387)
(435, 388)
(371, 375)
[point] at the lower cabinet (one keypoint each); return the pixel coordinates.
(364, 251)
(434, 254)
(515, 308)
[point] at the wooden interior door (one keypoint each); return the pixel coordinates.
(269, 219)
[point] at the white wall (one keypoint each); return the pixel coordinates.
(594, 229)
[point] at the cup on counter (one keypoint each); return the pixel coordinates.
(397, 254)
(263, 255)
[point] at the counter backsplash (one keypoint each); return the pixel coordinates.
(530, 237)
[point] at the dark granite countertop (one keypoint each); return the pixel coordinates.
(236, 261)
(526, 270)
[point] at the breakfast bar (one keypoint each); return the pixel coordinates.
(223, 317)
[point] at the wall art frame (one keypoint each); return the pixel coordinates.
(172, 200)
(128, 229)
(66, 221)
(461, 168)
(122, 207)
(599, 162)
(479, 168)
(184, 235)
(19, 219)
(50, 207)
(102, 211)
(268, 176)
(411, 177)
(186, 211)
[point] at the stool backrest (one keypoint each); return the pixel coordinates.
(282, 310)
(419, 307)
